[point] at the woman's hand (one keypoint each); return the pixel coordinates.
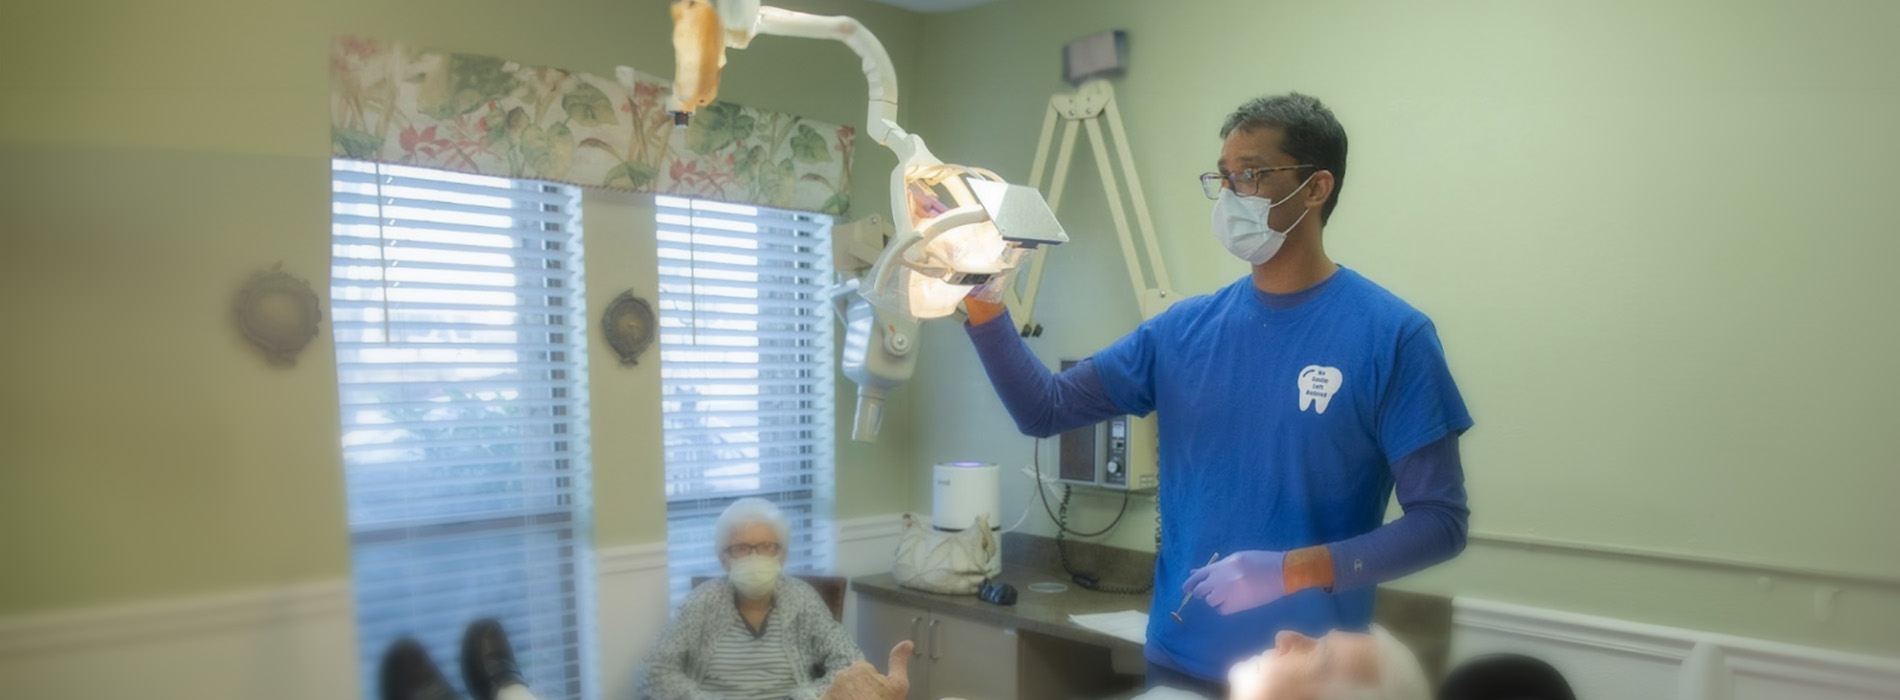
(862, 682)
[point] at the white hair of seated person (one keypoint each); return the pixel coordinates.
(1334, 667)
(747, 511)
(1400, 676)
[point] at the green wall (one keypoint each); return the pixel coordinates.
(1653, 237)
(155, 155)
(1657, 239)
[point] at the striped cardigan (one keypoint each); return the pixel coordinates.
(818, 646)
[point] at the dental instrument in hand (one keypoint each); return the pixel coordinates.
(1190, 596)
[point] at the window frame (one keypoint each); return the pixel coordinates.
(462, 386)
(705, 282)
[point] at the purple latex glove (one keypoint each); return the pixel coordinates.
(1241, 581)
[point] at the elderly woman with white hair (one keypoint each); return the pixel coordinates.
(755, 633)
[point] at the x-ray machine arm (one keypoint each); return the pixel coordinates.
(1089, 107)
(955, 229)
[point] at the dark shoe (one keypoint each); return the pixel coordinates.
(408, 674)
(488, 662)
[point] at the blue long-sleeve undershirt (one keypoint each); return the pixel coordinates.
(1428, 482)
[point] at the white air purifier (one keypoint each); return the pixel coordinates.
(960, 491)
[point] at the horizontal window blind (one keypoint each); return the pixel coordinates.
(462, 375)
(746, 375)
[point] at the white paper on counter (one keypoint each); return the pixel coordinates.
(1126, 624)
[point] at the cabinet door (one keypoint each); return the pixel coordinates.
(970, 660)
(881, 625)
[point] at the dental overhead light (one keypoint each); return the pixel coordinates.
(957, 230)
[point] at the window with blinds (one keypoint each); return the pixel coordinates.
(746, 376)
(461, 368)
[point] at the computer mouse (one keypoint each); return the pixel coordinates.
(997, 593)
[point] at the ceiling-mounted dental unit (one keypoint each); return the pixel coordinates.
(957, 230)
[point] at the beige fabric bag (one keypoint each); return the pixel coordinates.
(953, 563)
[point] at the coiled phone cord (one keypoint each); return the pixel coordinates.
(1061, 518)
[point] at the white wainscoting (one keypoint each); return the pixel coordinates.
(291, 643)
(1608, 658)
(867, 546)
(631, 596)
(298, 643)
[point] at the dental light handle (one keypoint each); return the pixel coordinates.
(879, 354)
(894, 255)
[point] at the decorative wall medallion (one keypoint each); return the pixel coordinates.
(628, 325)
(278, 313)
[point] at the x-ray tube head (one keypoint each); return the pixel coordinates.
(1020, 214)
(879, 354)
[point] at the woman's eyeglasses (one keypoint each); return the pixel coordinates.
(769, 549)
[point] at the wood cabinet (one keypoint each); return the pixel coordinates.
(953, 658)
(881, 625)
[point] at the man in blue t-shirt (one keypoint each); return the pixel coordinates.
(1291, 404)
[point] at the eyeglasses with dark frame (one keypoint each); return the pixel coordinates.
(769, 549)
(1244, 182)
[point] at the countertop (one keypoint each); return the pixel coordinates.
(1422, 621)
(1042, 613)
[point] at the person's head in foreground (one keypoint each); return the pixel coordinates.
(1337, 666)
(751, 537)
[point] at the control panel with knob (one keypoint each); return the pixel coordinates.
(1119, 453)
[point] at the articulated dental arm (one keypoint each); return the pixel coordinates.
(701, 34)
(955, 228)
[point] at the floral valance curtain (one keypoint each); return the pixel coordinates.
(395, 103)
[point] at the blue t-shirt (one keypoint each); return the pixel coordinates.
(1277, 426)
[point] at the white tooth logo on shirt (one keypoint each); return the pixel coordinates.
(1317, 385)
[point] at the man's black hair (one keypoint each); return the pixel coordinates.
(1309, 133)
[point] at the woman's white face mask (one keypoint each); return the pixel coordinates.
(755, 576)
(1240, 223)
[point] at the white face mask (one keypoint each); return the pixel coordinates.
(755, 576)
(1241, 224)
